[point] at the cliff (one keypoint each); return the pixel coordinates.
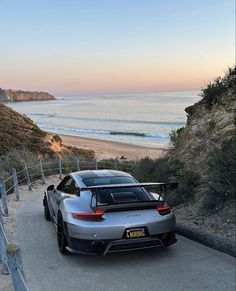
(9, 95)
(210, 123)
(21, 135)
(206, 149)
(206, 130)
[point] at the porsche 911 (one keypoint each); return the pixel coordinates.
(105, 211)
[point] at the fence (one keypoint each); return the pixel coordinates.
(10, 256)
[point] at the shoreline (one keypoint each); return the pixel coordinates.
(106, 149)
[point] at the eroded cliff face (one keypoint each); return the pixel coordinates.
(9, 95)
(207, 128)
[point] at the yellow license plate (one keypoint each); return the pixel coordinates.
(135, 233)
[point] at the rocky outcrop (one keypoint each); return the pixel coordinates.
(9, 95)
(207, 128)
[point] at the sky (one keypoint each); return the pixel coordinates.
(68, 47)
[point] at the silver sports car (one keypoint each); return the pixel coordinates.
(104, 211)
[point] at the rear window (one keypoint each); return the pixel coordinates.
(108, 181)
(117, 195)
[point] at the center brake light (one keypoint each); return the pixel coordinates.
(163, 210)
(96, 215)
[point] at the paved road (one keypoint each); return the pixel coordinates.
(186, 265)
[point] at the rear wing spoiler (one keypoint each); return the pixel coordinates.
(162, 186)
(143, 204)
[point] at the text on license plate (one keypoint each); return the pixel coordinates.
(135, 232)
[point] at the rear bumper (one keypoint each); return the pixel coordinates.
(113, 227)
(104, 247)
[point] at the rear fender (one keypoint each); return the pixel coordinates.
(73, 205)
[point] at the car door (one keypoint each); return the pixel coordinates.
(66, 188)
(57, 193)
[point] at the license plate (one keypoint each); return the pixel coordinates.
(135, 232)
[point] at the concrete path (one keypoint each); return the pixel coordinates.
(186, 265)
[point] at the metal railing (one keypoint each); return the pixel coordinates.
(10, 256)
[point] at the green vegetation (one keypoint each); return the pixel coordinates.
(18, 132)
(174, 135)
(215, 90)
(80, 153)
(221, 176)
(167, 170)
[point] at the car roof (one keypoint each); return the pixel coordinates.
(87, 174)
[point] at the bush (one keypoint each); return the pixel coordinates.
(221, 177)
(166, 171)
(174, 135)
(214, 91)
(144, 170)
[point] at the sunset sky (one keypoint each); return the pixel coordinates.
(88, 46)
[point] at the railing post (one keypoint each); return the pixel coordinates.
(96, 164)
(3, 254)
(4, 196)
(16, 268)
(27, 178)
(78, 165)
(1, 217)
(41, 170)
(60, 169)
(16, 186)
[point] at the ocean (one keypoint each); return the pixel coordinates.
(144, 119)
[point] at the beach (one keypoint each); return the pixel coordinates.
(105, 149)
(143, 119)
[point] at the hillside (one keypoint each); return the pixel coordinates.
(9, 95)
(20, 133)
(206, 147)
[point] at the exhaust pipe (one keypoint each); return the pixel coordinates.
(98, 246)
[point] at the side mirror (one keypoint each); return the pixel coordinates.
(51, 188)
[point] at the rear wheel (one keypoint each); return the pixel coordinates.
(46, 210)
(61, 236)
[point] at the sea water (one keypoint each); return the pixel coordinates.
(144, 119)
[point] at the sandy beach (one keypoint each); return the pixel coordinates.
(109, 149)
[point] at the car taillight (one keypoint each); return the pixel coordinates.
(163, 210)
(96, 215)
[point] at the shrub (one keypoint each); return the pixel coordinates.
(221, 177)
(166, 171)
(214, 91)
(144, 170)
(174, 135)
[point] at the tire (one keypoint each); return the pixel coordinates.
(46, 210)
(61, 236)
